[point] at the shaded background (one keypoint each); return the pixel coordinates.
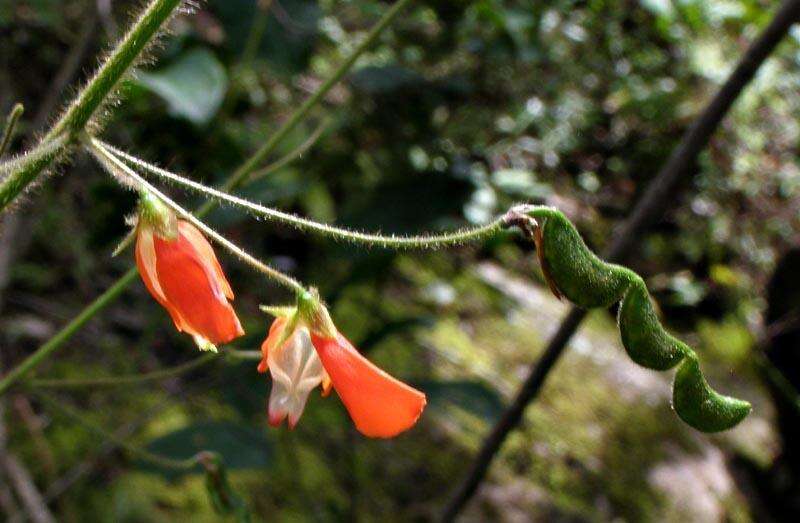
(462, 109)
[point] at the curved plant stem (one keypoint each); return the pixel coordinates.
(59, 407)
(261, 173)
(92, 97)
(239, 354)
(89, 100)
(11, 124)
(239, 176)
(117, 168)
(304, 224)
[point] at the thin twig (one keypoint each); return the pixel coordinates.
(60, 486)
(7, 501)
(89, 100)
(304, 224)
(116, 168)
(256, 32)
(252, 163)
(660, 193)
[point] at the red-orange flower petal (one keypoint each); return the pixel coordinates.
(380, 405)
(275, 332)
(184, 276)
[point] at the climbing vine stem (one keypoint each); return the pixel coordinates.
(120, 170)
(96, 92)
(234, 180)
(304, 224)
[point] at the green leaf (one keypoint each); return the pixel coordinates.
(193, 86)
(474, 397)
(240, 446)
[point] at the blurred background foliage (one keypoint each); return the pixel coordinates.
(462, 109)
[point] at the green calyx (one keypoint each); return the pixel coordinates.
(278, 311)
(574, 271)
(154, 214)
(308, 312)
(314, 314)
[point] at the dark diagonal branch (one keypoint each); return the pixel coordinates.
(648, 209)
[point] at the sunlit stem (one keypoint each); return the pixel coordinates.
(304, 224)
(80, 112)
(261, 173)
(118, 169)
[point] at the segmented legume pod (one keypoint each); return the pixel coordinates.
(575, 272)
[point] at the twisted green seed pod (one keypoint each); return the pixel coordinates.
(576, 272)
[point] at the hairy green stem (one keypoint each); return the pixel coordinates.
(89, 100)
(250, 165)
(119, 62)
(269, 169)
(116, 168)
(304, 224)
(11, 124)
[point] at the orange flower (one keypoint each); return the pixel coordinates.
(304, 350)
(179, 268)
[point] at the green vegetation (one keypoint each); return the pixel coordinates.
(451, 113)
